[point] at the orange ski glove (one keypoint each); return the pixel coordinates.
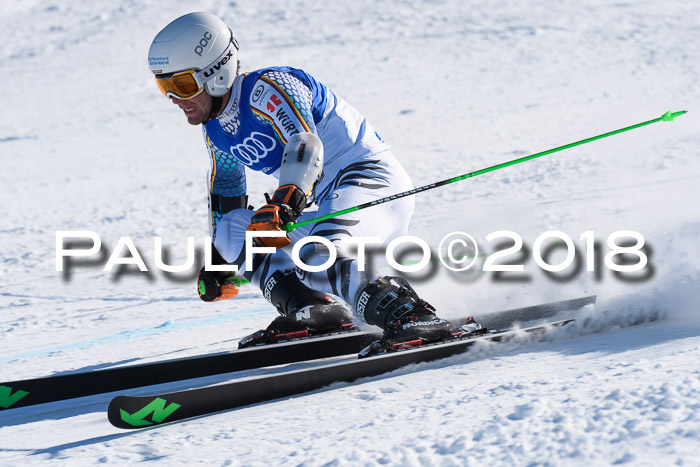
(285, 206)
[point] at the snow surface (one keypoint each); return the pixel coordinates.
(88, 143)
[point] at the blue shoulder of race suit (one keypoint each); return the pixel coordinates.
(285, 99)
(271, 103)
(301, 87)
(285, 102)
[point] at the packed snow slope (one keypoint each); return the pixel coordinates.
(88, 143)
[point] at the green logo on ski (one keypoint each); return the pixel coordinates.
(157, 406)
(7, 399)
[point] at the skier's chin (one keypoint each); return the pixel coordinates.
(195, 120)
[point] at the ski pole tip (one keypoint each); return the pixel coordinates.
(669, 116)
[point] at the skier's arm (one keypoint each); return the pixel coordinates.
(286, 103)
(301, 165)
(226, 183)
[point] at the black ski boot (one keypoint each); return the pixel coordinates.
(392, 304)
(304, 312)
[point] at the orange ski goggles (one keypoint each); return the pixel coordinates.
(182, 85)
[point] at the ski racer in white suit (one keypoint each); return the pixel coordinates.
(283, 122)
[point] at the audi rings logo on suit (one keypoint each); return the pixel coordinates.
(255, 147)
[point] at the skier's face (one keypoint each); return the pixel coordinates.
(197, 109)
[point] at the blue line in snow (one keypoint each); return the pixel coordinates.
(168, 326)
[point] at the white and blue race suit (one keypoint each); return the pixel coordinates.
(265, 109)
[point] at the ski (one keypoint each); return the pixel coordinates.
(141, 411)
(22, 393)
(54, 388)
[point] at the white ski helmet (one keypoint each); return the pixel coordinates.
(195, 52)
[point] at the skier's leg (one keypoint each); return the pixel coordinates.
(362, 182)
(387, 302)
(303, 311)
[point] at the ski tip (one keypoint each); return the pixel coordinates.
(114, 413)
(669, 116)
(155, 412)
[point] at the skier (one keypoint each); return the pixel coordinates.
(283, 122)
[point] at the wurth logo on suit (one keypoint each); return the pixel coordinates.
(273, 103)
(287, 123)
(277, 109)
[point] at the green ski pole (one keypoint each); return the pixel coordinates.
(667, 117)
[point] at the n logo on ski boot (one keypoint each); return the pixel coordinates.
(304, 313)
(8, 399)
(157, 406)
